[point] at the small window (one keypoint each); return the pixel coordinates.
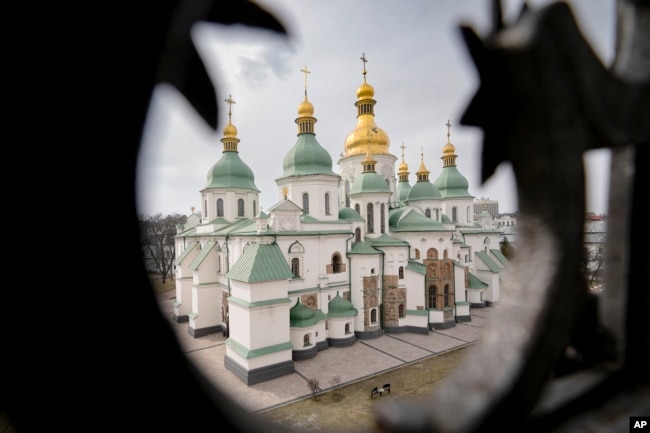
(240, 207)
(401, 311)
(401, 272)
(305, 202)
(327, 203)
(219, 207)
(295, 267)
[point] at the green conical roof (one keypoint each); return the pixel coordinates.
(341, 307)
(307, 157)
(231, 172)
(423, 191)
(369, 182)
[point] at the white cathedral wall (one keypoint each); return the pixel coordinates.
(336, 327)
(361, 266)
(206, 306)
(415, 296)
(271, 325)
(315, 186)
(265, 291)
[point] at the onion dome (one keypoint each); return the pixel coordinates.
(369, 180)
(301, 316)
(230, 171)
(366, 130)
(403, 186)
(307, 156)
(423, 189)
(341, 307)
(451, 183)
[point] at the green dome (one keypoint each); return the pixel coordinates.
(451, 183)
(423, 191)
(307, 157)
(369, 182)
(300, 312)
(349, 214)
(231, 172)
(403, 190)
(341, 307)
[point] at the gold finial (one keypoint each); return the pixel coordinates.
(448, 128)
(285, 191)
(305, 71)
(230, 101)
(403, 147)
(193, 209)
(364, 60)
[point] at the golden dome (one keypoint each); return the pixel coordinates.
(365, 91)
(403, 167)
(230, 131)
(305, 109)
(366, 134)
(448, 149)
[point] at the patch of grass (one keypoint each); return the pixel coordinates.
(350, 408)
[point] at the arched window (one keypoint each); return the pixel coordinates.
(437, 214)
(445, 254)
(205, 209)
(254, 207)
(454, 217)
(347, 328)
(449, 297)
(327, 203)
(306, 340)
(432, 253)
(432, 295)
(371, 218)
(400, 310)
(305, 202)
(357, 234)
(401, 272)
(347, 193)
(469, 214)
(336, 263)
(357, 208)
(382, 216)
(295, 266)
(373, 315)
(219, 207)
(427, 213)
(417, 253)
(240, 207)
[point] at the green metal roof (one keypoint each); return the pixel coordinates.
(451, 183)
(386, 240)
(416, 267)
(259, 263)
(499, 255)
(475, 283)
(414, 221)
(202, 255)
(488, 261)
(423, 190)
(402, 191)
(349, 214)
(362, 248)
(341, 307)
(301, 316)
(369, 182)
(185, 252)
(231, 172)
(307, 157)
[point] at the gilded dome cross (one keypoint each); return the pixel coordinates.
(448, 124)
(305, 71)
(230, 101)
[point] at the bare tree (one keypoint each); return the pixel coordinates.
(157, 239)
(335, 381)
(314, 387)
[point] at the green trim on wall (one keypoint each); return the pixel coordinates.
(247, 353)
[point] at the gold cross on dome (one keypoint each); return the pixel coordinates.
(448, 128)
(364, 60)
(305, 71)
(230, 101)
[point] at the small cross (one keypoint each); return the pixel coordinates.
(364, 60)
(403, 147)
(305, 71)
(230, 101)
(448, 127)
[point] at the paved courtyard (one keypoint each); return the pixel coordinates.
(364, 359)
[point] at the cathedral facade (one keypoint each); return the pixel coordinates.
(341, 256)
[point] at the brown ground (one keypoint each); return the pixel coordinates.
(351, 408)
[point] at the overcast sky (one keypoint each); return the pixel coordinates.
(417, 64)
